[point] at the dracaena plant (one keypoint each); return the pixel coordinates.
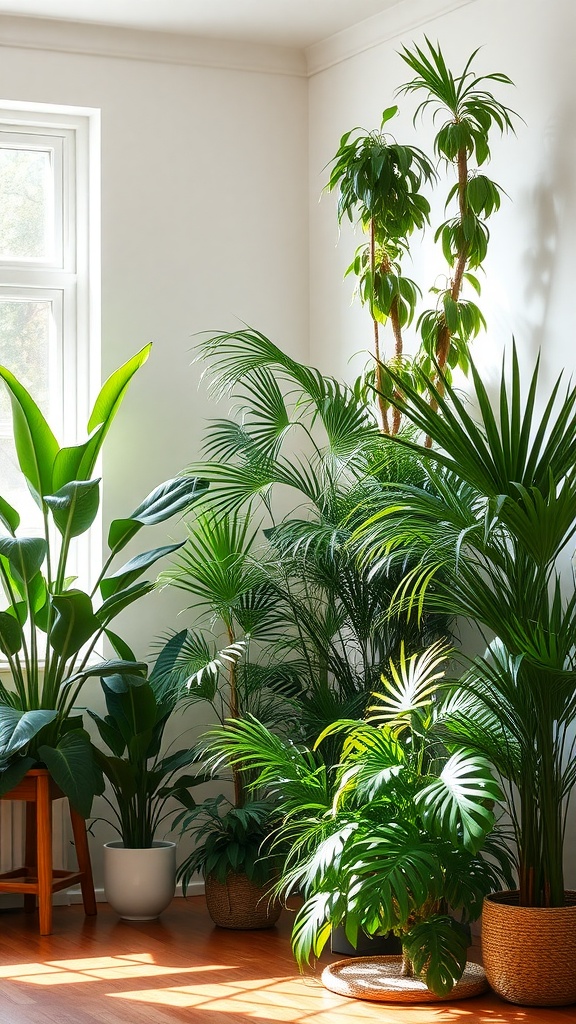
(50, 629)
(381, 185)
(391, 836)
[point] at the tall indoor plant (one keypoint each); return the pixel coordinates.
(210, 664)
(382, 186)
(489, 543)
(290, 628)
(50, 629)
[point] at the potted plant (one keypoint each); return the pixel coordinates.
(489, 545)
(139, 868)
(233, 856)
(50, 628)
(390, 838)
(290, 629)
(231, 591)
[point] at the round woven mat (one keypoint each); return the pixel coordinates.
(379, 978)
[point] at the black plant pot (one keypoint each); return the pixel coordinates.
(366, 945)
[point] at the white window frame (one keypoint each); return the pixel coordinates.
(71, 279)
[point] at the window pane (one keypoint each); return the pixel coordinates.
(26, 204)
(25, 332)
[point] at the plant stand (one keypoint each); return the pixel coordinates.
(38, 878)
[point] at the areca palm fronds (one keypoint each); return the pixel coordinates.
(486, 545)
(391, 835)
(289, 589)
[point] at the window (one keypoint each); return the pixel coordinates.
(49, 273)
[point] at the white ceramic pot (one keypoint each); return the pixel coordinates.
(139, 884)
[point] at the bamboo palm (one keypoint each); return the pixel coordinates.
(487, 546)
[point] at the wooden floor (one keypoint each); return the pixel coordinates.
(181, 968)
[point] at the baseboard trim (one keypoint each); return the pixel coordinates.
(73, 896)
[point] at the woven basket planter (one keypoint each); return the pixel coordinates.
(240, 904)
(380, 979)
(530, 952)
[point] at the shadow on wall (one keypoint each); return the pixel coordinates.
(548, 263)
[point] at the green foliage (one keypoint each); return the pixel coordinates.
(141, 778)
(487, 544)
(380, 186)
(49, 629)
(230, 840)
(313, 626)
(372, 840)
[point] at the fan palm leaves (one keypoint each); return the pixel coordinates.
(486, 544)
(293, 591)
(388, 835)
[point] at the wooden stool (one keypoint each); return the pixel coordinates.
(38, 878)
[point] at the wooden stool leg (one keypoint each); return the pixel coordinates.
(30, 854)
(83, 855)
(44, 854)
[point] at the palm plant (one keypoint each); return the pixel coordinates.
(236, 608)
(488, 542)
(317, 440)
(389, 838)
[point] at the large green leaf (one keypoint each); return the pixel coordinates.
(9, 517)
(131, 570)
(36, 445)
(113, 666)
(74, 622)
(122, 775)
(25, 555)
(17, 728)
(457, 805)
(72, 766)
(122, 599)
(164, 501)
(14, 772)
(131, 704)
(11, 635)
(75, 506)
(77, 462)
(109, 733)
(437, 948)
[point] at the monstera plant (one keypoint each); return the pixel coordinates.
(394, 836)
(50, 629)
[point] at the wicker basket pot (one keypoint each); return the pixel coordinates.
(530, 952)
(240, 904)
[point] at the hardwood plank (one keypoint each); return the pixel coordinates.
(181, 968)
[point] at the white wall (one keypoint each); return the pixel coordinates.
(204, 224)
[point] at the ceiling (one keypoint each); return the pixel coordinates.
(296, 23)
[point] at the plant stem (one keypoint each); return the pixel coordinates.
(382, 405)
(239, 795)
(444, 335)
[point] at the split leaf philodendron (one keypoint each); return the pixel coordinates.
(50, 629)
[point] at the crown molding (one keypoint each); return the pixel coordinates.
(158, 47)
(404, 16)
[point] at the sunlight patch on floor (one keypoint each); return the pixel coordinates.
(294, 999)
(103, 968)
